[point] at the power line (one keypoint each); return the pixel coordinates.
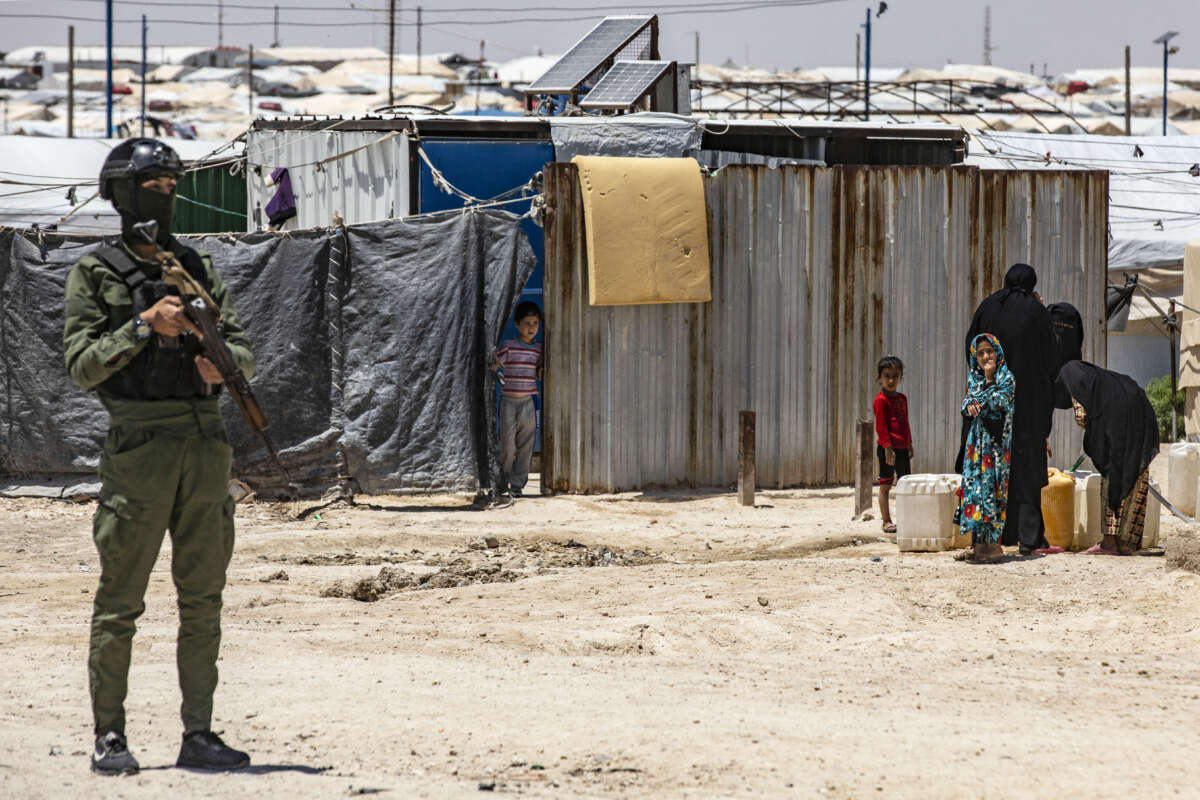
(709, 8)
(475, 9)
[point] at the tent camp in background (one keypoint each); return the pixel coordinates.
(70, 205)
(1154, 213)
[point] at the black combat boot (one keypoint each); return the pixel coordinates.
(205, 750)
(112, 757)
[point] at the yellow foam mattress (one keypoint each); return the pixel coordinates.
(646, 229)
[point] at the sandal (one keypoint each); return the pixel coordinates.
(1049, 551)
(965, 555)
(889, 527)
(1097, 550)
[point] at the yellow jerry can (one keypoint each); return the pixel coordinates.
(1058, 508)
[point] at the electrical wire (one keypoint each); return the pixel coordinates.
(470, 9)
(727, 6)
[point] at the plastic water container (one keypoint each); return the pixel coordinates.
(1058, 508)
(1183, 469)
(1089, 511)
(1153, 513)
(925, 513)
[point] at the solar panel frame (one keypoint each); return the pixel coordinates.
(625, 84)
(577, 64)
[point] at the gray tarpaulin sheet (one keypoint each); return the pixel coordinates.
(372, 345)
(647, 135)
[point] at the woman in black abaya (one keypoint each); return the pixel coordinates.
(1068, 332)
(1017, 318)
(1121, 438)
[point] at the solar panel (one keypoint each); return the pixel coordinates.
(597, 46)
(622, 85)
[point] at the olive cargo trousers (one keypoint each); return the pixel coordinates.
(165, 465)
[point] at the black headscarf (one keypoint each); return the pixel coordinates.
(1068, 333)
(1121, 437)
(1020, 279)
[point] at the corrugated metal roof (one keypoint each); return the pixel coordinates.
(817, 273)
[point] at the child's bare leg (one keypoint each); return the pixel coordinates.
(885, 512)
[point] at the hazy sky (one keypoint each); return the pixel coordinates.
(1063, 34)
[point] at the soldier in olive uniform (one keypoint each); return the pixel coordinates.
(166, 458)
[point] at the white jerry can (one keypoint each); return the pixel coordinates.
(1183, 469)
(925, 513)
(1089, 510)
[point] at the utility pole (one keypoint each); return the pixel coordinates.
(275, 40)
(220, 24)
(1167, 50)
(697, 55)
(108, 87)
(1128, 99)
(391, 49)
(987, 35)
(479, 76)
(70, 81)
(143, 127)
(867, 82)
(250, 83)
(418, 40)
(857, 57)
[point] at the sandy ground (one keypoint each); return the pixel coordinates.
(660, 645)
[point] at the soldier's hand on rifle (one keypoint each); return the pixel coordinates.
(167, 317)
(208, 370)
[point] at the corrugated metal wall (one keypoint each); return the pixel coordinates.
(210, 201)
(817, 272)
(369, 183)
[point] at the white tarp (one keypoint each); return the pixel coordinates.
(1154, 203)
(645, 135)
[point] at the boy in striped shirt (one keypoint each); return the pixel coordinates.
(519, 367)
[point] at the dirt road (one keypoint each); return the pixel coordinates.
(668, 645)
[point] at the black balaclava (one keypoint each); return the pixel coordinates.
(136, 204)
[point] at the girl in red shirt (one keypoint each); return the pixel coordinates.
(894, 439)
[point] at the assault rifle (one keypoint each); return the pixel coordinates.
(205, 314)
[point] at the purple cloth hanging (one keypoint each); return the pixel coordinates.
(283, 205)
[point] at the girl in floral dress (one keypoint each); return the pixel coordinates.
(989, 408)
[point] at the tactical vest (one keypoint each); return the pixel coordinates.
(165, 368)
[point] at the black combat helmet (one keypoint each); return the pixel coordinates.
(138, 158)
(131, 163)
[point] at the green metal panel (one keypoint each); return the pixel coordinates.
(211, 201)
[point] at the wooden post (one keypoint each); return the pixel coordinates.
(250, 84)
(391, 50)
(1128, 101)
(70, 81)
(746, 480)
(1173, 326)
(864, 478)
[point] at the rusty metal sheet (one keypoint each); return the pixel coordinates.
(817, 272)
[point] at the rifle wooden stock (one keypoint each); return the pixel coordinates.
(216, 351)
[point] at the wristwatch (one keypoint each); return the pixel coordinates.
(141, 329)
